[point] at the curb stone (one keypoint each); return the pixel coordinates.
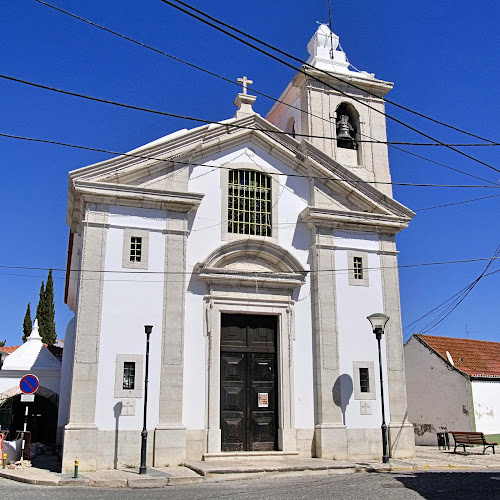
(150, 482)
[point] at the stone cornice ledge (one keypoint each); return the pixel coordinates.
(134, 196)
(252, 279)
(363, 221)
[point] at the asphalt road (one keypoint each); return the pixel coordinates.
(482, 485)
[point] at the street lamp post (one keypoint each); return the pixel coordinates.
(378, 322)
(144, 434)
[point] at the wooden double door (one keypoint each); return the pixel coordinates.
(249, 379)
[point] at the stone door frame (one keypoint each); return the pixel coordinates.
(264, 303)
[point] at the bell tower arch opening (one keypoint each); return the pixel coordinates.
(347, 134)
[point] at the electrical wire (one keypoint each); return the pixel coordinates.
(175, 115)
(176, 161)
(447, 307)
(296, 59)
(258, 92)
(250, 273)
(456, 203)
(360, 101)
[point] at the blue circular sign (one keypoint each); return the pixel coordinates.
(28, 384)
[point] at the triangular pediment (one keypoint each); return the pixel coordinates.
(164, 166)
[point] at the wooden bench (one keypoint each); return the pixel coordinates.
(471, 438)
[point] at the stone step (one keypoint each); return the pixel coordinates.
(249, 455)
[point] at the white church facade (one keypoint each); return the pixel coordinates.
(256, 255)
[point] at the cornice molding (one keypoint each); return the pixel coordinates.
(361, 221)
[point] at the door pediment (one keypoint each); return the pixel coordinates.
(248, 262)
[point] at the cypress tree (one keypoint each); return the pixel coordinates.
(50, 335)
(2, 342)
(27, 324)
(40, 312)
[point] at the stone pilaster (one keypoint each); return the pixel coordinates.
(170, 434)
(330, 431)
(80, 434)
(401, 436)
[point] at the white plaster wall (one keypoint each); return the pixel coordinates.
(280, 113)
(66, 373)
(356, 339)
(131, 300)
(438, 396)
(205, 236)
(486, 398)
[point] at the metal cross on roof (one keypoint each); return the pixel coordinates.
(245, 81)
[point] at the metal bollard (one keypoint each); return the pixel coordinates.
(4, 460)
(75, 475)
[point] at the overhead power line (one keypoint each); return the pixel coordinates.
(439, 307)
(175, 115)
(397, 120)
(189, 64)
(446, 308)
(456, 203)
(296, 59)
(176, 161)
(249, 273)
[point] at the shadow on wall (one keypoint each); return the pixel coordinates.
(117, 409)
(342, 392)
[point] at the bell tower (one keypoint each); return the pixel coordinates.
(330, 101)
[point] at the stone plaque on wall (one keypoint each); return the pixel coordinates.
(128, 407)
(365, 407)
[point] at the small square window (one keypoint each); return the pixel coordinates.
(358, 271)
(364, 380)
(358, 268)
(135, 253)
(129, 375)
(135, 249)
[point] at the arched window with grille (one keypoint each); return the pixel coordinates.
(249, 203)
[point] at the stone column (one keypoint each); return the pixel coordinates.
(170, 434)
(80, 434)
(330, 431)
(401, 436)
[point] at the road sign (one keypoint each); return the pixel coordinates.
(27, 398)
(28, 384)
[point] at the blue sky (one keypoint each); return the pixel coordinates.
(442, 57)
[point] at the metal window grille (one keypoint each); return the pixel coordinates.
(135, 249)
(364, 380)
(249, 203)
(358, 268)
(129, 375)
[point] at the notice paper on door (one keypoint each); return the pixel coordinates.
(263, 399)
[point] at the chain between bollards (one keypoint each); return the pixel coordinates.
(75, 474)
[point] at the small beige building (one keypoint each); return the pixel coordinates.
(453, 385)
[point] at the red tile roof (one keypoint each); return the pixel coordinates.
(9, 349)
(474, 357)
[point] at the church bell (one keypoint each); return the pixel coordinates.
(343, 127)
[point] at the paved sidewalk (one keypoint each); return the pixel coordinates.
(427, 458)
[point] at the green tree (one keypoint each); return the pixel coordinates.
(40, 311)
(50, 335)
(2, 342)
(27, 324)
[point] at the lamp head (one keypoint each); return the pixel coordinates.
(378, 322)
(148, 329)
